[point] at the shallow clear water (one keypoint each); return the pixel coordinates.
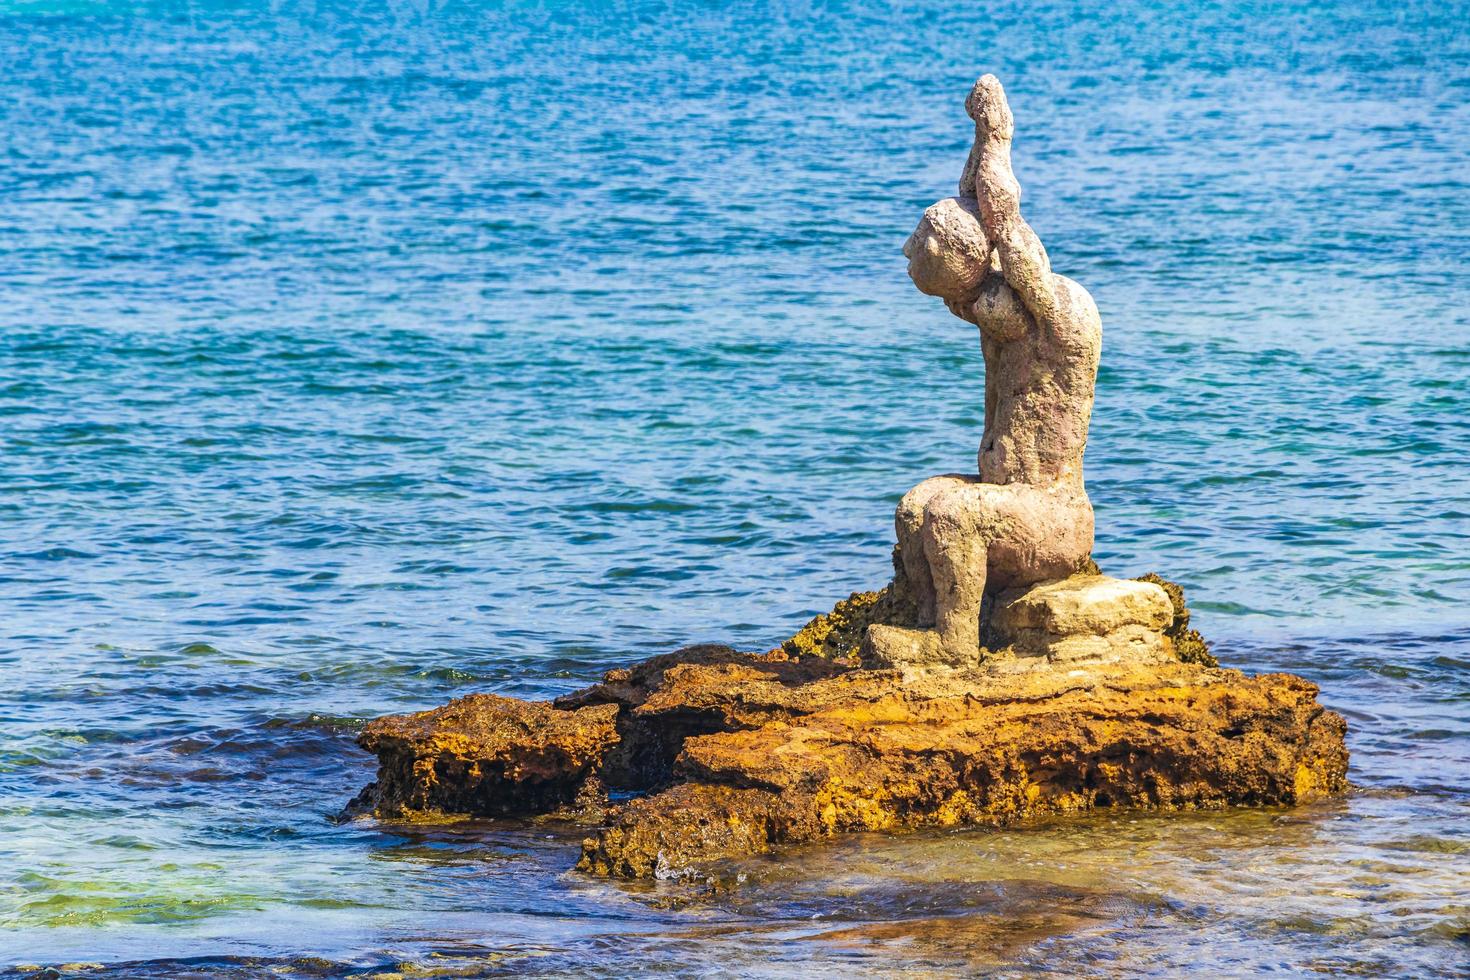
(353, 360)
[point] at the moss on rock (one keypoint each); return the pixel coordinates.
(838, 634)
(1189, 646)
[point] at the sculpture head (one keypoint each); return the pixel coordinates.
(949, 252)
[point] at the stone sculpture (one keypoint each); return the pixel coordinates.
(1025, 517)
(998, 677)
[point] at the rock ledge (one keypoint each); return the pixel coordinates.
(731, 754)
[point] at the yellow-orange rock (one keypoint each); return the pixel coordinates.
(734, 754)
(488, 756)
(979, 747)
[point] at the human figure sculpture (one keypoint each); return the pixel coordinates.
(1025, 518)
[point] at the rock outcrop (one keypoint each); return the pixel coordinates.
(735, 754)
(489, 756)
(998, 677)
(987, 746)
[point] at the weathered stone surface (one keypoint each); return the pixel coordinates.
(1092, 605)
(664, 701)
(961, 539)
(688, 826)
(976, 747)
(739, 753)
(486, 755)
(1132, 643)
(1025, 517)
(1085, 618)
(902, 647)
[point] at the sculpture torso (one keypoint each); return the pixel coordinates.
(1038, 394)
(1041, 334)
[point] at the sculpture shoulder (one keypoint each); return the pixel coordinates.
(1079, 324)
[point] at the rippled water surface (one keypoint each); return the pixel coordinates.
(353, 359)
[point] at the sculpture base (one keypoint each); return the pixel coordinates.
(737, 754)
(1087, 619)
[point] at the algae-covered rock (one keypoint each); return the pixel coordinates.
(1189, 646)
(488, 756)
(839, 634)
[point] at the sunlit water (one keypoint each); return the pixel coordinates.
(353, 360)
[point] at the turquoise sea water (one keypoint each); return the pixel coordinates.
(352, 359)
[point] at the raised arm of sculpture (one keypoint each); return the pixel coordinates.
(988, 178)
(1041, 331)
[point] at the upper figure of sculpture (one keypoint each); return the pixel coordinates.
(1025, 518)
(1041, 331)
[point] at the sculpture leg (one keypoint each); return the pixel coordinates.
(955, 546)
(909, 524)
(958, 535)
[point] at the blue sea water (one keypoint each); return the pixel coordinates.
(355, 357)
